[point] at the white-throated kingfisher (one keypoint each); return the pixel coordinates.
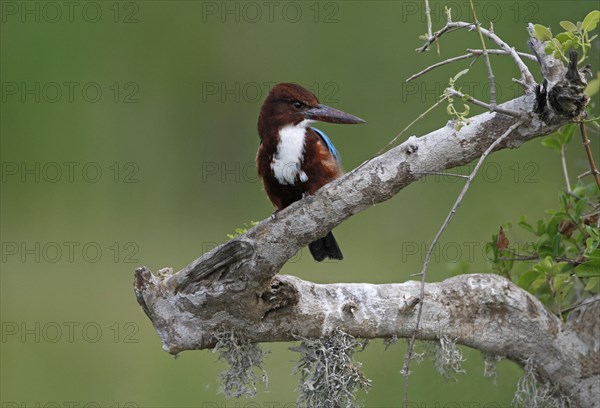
(295, 159)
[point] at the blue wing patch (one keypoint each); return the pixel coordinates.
(328, 143)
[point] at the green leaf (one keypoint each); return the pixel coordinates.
(562, 37)
(567, 25)
(592, 87)
(594, 255)
(565, 134)
(527, 278)
(556, 43)
(579, 191)
(543, 240)
(588, 269)
(560, 281)
(544, 265)
(552, 143)
(564, 199)
(461, 73)
(552, 227)
(580, 206)
(525, 225)
(542, 33)
(557, 245)
(541, 227)
(593, 285)
(566, 46)
(491, 252)
(590, 21)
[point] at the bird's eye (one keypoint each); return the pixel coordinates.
(297, 104)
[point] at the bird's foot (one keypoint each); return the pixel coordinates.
(274, 215)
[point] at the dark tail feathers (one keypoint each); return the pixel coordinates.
(326, 247)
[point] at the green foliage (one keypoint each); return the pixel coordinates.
(593, 86)
(242, 231)
(560, 138)
(459, 116)
(565, 251)
(576, 36)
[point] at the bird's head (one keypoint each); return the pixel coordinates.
(291, 104)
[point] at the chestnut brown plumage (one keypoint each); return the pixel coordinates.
(295, 159)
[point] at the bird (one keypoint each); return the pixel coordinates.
(295, 159)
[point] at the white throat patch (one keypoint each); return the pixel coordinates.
(290, 153)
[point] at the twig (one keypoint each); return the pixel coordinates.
(429, 24)
(501, 52)
(438, 34)
(428, 16)
(586, 144)
(473, 53)
(411, 343)
(520, 258)
(580, 304)
(487, 59)
(435, 173)
(526, 77)
(421, 116)
(439, 64)
(470, 99)
(564, 167)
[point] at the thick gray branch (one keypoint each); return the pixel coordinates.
(486, 312)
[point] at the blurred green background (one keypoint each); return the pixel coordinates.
(128, 138)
